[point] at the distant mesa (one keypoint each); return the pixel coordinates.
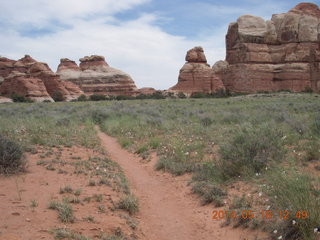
(95, 76)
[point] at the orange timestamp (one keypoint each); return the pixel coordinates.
(248, 214)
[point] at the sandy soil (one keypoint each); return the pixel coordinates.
(168, 209)
(19, 221)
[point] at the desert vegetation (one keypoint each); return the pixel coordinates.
(244, 153)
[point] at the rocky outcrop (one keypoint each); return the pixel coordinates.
(196, 75)
(35, 80)
(5, 100)
(95, 76)
(146, 91)
(25, 85)
(280, 54)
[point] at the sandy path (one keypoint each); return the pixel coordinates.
(168, 209)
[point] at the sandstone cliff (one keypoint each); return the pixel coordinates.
(95, 76)
(196, 75)
(280, 54)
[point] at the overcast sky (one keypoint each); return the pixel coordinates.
(146, 38)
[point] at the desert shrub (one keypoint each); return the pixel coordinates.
(157, 95)
(313, 151)
(142, 149)
(67, 234)
(98, 116)
(82, 98)
(58, 96)
(295, 192)
(97, 97)
(250, 150)
(19, 98)
(174, 165)
(316, 125)
(128, 203)
(181, 95)
(206, 121)
(65, 211)
(210, 192)
(123, 97)
(199, 95)
(308, 90)
(238, 206)
(11, 156)
(154, 143)
(220, 93)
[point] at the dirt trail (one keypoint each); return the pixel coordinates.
(168, 209)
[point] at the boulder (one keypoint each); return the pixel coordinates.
(5, 100)
(146, 91)
(196, 75)
(95, 76)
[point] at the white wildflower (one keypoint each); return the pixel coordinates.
(293, 222)
(280, 237)
(275, 231)
(260, 194)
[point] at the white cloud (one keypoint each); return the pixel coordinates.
(41, 12)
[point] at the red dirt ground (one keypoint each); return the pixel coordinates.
(168, 209)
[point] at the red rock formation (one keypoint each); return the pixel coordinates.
(146, 91)
(25, 85)
(280, 54)
(67, 64)
(196, 75)
(95, 76)
(28, 73)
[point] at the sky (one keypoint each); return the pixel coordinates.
(148, 39)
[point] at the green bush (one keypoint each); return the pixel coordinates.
(58, 96)
(128, 203)
(82, 98)
(250, 150)
(181, 95)
(316, 125)
(11, 156)
(19, 98)
(97, 97)
(210, 192)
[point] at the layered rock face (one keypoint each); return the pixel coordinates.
(35, 80)
(95, 76)
(196, 75)
(280, 54)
